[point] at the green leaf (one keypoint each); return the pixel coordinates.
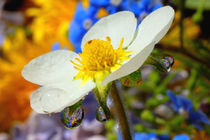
(147, 116)
(132, 80)
(162, 65)
(139, 128)
(194, 4)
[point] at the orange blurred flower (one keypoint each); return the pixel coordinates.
(17, 51)
(191, 32)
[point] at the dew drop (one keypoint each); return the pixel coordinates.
(101, 115)
(166, 64)
(170, 59)
(72, 118)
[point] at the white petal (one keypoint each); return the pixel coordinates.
(116, 26)
(154, 27)
(50, 68)
(150, 31)
(130, 66)
(55, 98)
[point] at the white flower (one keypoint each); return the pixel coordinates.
(112, 48)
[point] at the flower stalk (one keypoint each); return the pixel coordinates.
(101, 94)
(120, 113)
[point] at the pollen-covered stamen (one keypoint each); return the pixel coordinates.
(100, 56)
(97, 55)
(78, 65)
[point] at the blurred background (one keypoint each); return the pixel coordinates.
(171, 101)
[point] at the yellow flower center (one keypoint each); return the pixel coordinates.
(99, 58)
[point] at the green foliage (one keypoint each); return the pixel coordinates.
(147, 115)
(194, 4)
(193, 57)
(110, 125)
(132, 80)
(111, 136)
(139, 128)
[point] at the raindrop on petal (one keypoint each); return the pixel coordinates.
(101, 115)
(166, 64)
(170, 59)
(72, 118)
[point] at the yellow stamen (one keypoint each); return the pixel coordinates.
(77, 68)
(78, 60)
(99, 56)
(75, 63)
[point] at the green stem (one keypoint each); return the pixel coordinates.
(186, 53)
(120, 112)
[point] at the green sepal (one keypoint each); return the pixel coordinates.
(101, 93)
(75, 106)
(155, 61)
(132, 80)
(195, 4)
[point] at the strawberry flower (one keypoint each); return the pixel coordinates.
(111, 49)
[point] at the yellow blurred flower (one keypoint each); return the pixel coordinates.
(17, 51)
(51, 20)
(201, 135)
(191, 31)
(14, 90)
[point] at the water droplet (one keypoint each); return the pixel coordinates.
(166, 64)
(72, 118)
(170, 59)
(101, 115)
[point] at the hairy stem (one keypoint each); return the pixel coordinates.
(120, 112)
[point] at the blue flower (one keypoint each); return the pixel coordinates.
(146, 7)
(148, 136)
(181, 137)
(184, 107)
(55, 46)
(82, 21)
(111, 6)
(139, 8)
(85, 18)
(158, 137)
(153, 136)
(197, 117)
